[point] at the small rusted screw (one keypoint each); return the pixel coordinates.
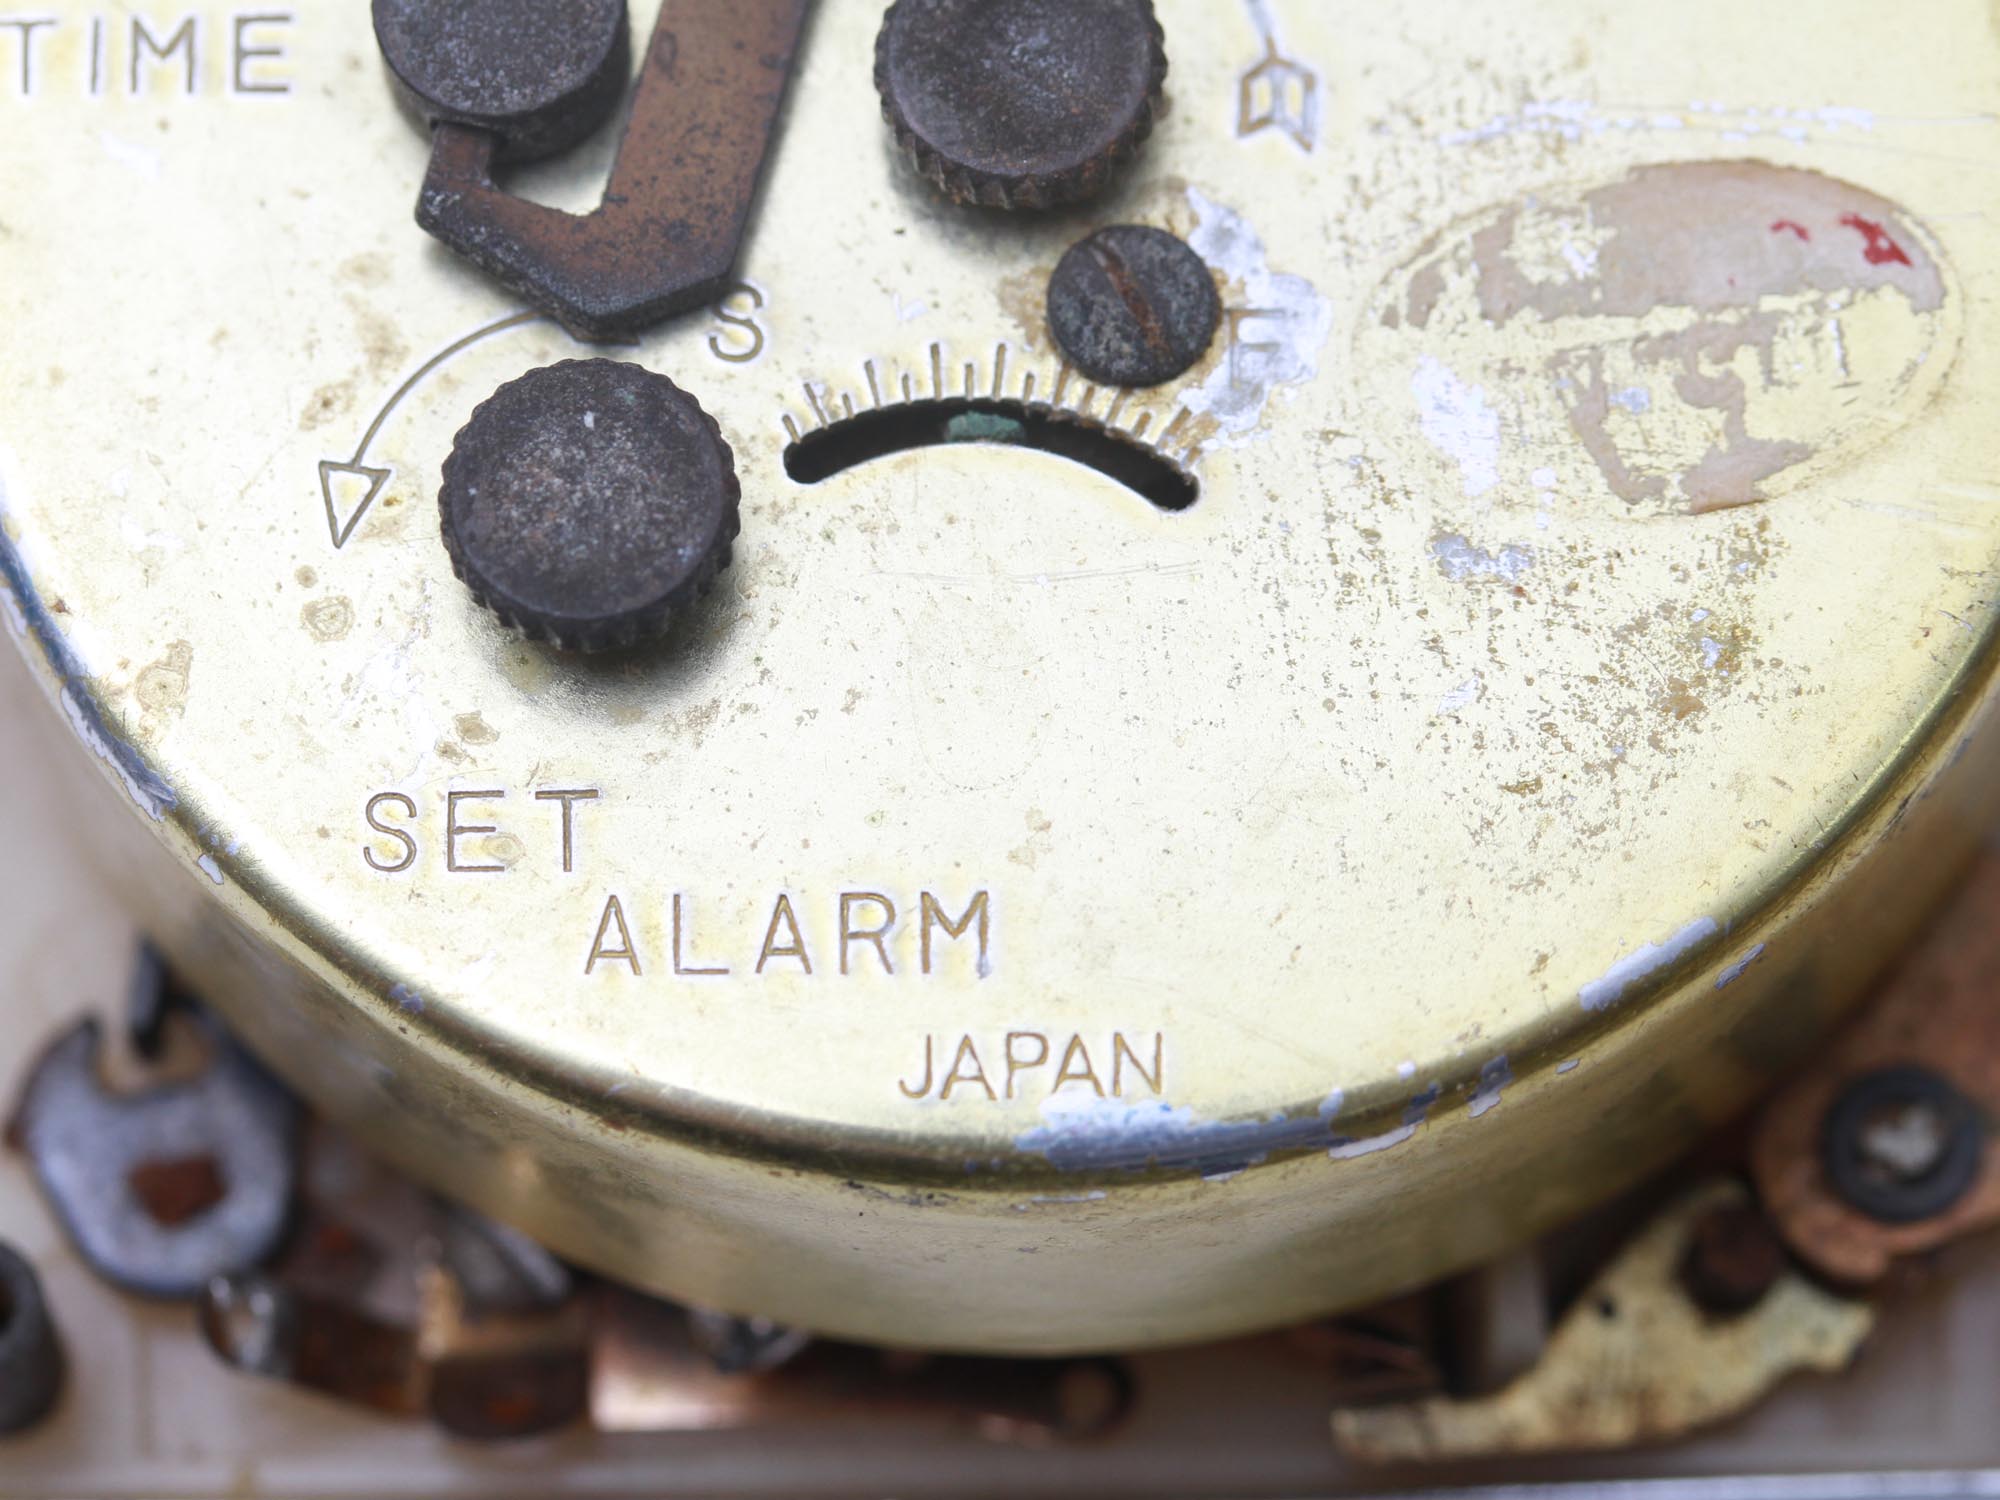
(1133, 306)
(1902, 1145)
(539, 76)
(590, 504)
(1020, 103)
(1733, 1260)
(31, 1362)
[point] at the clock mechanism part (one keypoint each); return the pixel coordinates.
(1021, 680)
(1702, 1296)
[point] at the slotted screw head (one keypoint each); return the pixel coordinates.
(1133, 306)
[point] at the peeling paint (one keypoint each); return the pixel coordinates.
(1278, 345)
(1738, 969)
(1649, 959)
(1650, 340)
(1349, 1150)
(147, 790)
(1413, 1117)
(1458, 423)
(1493, 1081)
(1461, 560)
(1461, 697)
(410, 1003)
(207, 865)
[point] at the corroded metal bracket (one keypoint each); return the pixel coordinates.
(1935, 1019)
(1638, 1359)
(666, 236)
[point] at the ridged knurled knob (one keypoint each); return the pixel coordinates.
(589, 504)
(1020, 103)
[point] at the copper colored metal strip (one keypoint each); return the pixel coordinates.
(666, 236)
(1937, 1012)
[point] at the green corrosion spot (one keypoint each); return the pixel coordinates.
(984, 427)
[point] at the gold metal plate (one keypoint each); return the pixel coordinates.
(1013, 916)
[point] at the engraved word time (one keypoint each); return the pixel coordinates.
(244, 53)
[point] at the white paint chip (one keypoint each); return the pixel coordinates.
(1461, 697)
(1738, 969)
(1277, 346)
(1493, 1081)
(1461, 560)
(1459, 424)
(1373, 1144)
(1647, 960)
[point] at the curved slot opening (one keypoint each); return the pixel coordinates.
(869, 435)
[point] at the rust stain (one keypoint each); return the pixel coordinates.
(162, 687)
(328, 404)
(1937, 1012)
(474, 730)
(328, 620)
(178, 1191)
(1680, 701)
(1024, 298)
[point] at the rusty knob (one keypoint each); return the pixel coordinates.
(539, 74)
(589, 504)
(1020, 103)
(1133, 306)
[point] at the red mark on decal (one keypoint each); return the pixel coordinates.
(1792, 226)
(1878, 248)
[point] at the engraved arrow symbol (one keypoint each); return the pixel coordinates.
(351, 488)
(336, 480)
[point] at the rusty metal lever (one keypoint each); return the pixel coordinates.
(666, 236)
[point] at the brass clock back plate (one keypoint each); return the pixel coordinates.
(1101, 867)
